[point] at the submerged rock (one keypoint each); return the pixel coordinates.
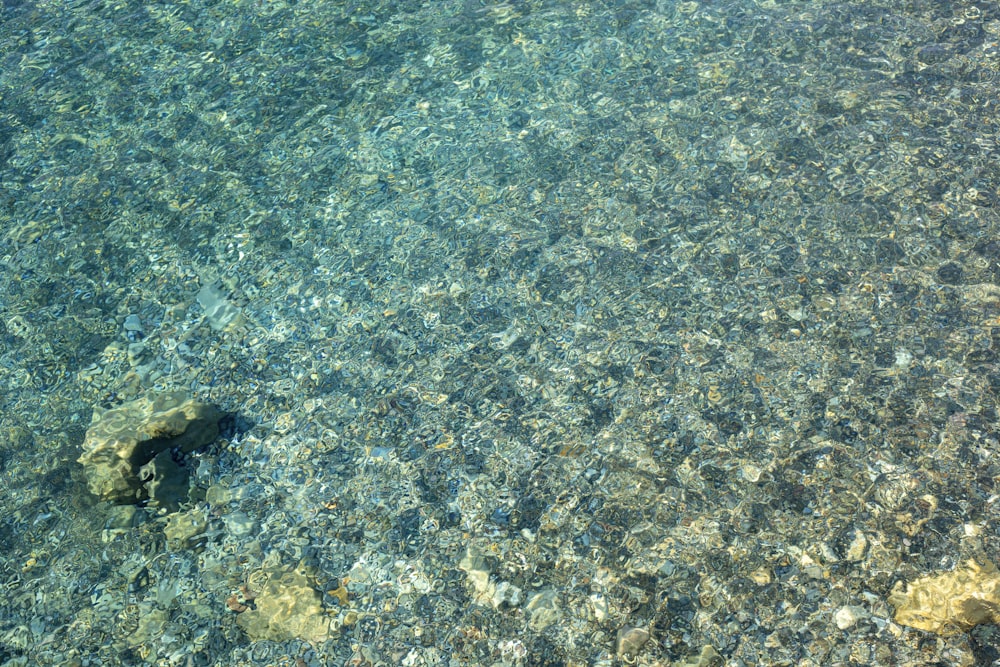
(185, 529)
(286, 607)
(121, 441)
(951, 602)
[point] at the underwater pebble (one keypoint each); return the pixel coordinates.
(239, 524)
(631, 640)
(847, 616)
(133, 323)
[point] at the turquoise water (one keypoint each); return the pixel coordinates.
(546, 333)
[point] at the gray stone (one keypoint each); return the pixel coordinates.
(219, 312)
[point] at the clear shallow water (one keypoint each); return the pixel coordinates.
(557, 323)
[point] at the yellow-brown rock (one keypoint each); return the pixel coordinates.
(287, 607)
(122, 440)
(184, 529)
(951, 602)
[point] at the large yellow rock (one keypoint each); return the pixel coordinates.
(951, 602)
(287, 607)
(122, 440)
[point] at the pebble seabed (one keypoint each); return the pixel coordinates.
(548, 333)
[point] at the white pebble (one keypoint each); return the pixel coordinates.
(846, 617)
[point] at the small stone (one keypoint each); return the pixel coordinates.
(239, 524)
(950, 273)
(631, 641)
(133, 323)
(506, 594)
(543, 610)
(136, 353)
(218, 495)
(185, 529)
(848, 616)
(121, 521)
(599, 607)
(858, 547)
(708, 657)
(151, 626)
(219, 312)
(477, 572)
